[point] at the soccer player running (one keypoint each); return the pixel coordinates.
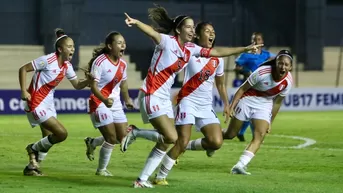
(106, 111)
(49, 70)
(258, 100)
(194, 104)
(246, 63)
(171, 55)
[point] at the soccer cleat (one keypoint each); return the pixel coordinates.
(103, 173)
(210, 152)
(129, 138)
(161, 182)
(90, 149)
(239, 170)
(33, 156)
(142, 184)
(32, 172)
(241, 138)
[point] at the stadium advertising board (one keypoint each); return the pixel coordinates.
(76, 101)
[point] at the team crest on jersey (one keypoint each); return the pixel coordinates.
(214, 63)
(281, 87)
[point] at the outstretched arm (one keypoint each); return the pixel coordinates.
(148, 30)
(227, 51)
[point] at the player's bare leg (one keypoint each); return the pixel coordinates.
(212, 141)
(166, 129)
(261, 127)
(184, 134)
(58, 134)
(234, 126)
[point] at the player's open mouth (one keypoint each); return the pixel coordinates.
(190, 36)
(211, 40)
(71, 56)
(121, 52)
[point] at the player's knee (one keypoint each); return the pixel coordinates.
(61, 135)
(171, 138)
(182, 142)
(111, 139)
(215, 143)
(259, 135)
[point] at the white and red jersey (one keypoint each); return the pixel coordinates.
(264, 89)
(109, 76)
(48, 74)
(168, 60)
(198, 82)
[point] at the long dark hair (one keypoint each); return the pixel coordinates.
(162, 23)
(198, 29)
(102, 48)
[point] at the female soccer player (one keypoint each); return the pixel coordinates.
(258, 100)
(49, 72)
(194, 104)
(247, 63)
(106, 111)
(171, 55)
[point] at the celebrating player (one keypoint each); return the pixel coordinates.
(106, 111)
(258, 100)
(171, 55)
(194, 104)
(49, 72)
(247, 63)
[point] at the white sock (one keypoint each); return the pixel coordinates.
(151, 135)
(154, 159)
(195, 145)
(42, 145)
(166, 166)
(42, 155)
(105, 155)
(245, 158)
(97, 141)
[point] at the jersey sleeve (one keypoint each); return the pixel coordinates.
(198, 51)
(164, 41)
(96, 71)
(241, 60)
(254, 78)
(286, 91)
(40, 63)
(70, 73)
(220, 69)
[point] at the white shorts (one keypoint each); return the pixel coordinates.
(244, 112)
(105, 116)
(41, 113)
(152, 106)
(200, 117)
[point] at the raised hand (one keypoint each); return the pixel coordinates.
(253, 48)
(130, 21)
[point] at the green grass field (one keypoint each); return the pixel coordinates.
(278, 166)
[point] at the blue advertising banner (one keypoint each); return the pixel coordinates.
(76, 101)
(66, 101)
